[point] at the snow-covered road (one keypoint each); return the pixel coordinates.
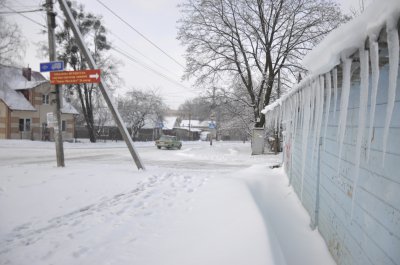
(199, 205)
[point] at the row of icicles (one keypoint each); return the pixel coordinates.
(307, 107)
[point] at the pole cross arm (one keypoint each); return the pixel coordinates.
(103, 86)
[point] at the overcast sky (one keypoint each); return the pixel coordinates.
(156, 19)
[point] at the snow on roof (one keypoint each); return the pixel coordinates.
(206, 123)
(191, 129)
(193, 123)
(169, 123)
(346, 39)
(11, 79)
(13, 99)
(16, 81)
(67, 108)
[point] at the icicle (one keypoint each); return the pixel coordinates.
(362, 111)
(296, 118)
(314, 111)
(281, 118)
(306, 128)
(302, 99)
(278, 118)
(319, 108)
(296, 115)
(328, 103)
(344, 103)
(374, 50)
(335, 91)
(393, 47)
(312, 105)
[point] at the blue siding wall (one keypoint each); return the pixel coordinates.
(372, 234)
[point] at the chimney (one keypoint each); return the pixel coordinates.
(27, 73)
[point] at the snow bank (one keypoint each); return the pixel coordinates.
(199, 205)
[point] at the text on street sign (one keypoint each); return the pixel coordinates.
(75, 77)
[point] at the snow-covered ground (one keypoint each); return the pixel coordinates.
(199, 205)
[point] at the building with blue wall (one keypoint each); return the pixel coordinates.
(342, 140)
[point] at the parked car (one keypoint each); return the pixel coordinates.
(168, 142)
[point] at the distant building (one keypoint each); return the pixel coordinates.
(192, 129)
(25, 101)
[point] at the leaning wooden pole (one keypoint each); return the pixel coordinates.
(103, 87)
(51, 25)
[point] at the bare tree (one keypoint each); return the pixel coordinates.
(94, 32)
(138, 107)
(198, 108)
(11, 41)
(250, 41)
(229, 112)
(356, 10)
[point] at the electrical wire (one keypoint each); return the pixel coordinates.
(135, 60)
(131, 58)
(20, 12)
(37, 23)
(138, 32)
(139, 52)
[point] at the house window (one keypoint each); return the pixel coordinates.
(63, 126)
(24, 125)
(45, 99)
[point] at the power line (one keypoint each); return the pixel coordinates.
(136, 50)
(20, 12)
(135, 60)
(37, 23)
(138, 32)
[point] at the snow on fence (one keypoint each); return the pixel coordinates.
(342, 138)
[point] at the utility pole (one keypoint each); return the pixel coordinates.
(51, 25)
(102, 85)
(190, 117)
(212, 116)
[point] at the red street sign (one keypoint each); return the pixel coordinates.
(75, 77)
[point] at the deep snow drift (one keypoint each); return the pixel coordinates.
(199, 205)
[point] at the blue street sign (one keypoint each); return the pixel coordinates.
(212, 125)
(52, 66)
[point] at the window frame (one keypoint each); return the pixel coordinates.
(45, 99)
(63, 125)
(25, 125)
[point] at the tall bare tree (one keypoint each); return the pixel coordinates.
(250, 42)
(198, 108)
(11, 40)
(95, 34)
